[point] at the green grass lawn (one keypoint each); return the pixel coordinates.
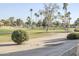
(34, 33)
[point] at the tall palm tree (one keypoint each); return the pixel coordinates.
(68, 19)
(31, 10)
(65, 12)
(36, 15)
(28, 23)
(65, 6)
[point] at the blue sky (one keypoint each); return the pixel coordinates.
(21, 10)
(18, 10)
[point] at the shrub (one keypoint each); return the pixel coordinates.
(73, 36)
(76, 30)
(19, 36)
(77, 35)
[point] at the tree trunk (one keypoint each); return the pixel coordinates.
(47, 28)
(66, 21)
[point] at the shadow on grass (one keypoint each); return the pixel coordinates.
(2, 45)
(42, 32)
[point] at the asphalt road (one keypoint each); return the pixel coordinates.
(47, 50)
(46, 46)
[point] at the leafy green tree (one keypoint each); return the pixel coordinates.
(6, 23)
(77, 23)
(11, 20)
(19, 22)
(45, 24)
(33, 25)
(49, 13)
(28, 23)
(2, 20)
(39, 23)
(56, 23)
(1, 24)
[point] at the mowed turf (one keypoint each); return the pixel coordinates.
(5, 34)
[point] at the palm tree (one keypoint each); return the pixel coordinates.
(31, 11)
(39, 23)
(36, 15)
(65, 6)
(28, 23)
(65, 12)
(63, 21)
(68, 19)
(77, 23)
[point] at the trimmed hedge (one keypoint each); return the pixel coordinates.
(73, 36)
(19, 36)
(76, 30)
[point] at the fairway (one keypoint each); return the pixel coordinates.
(5, 34)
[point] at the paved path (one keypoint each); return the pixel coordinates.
(48, 50)
(32, 47)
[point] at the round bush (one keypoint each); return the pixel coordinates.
(76, 30)
(77, 35)
(19, 36)
(73, 36)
